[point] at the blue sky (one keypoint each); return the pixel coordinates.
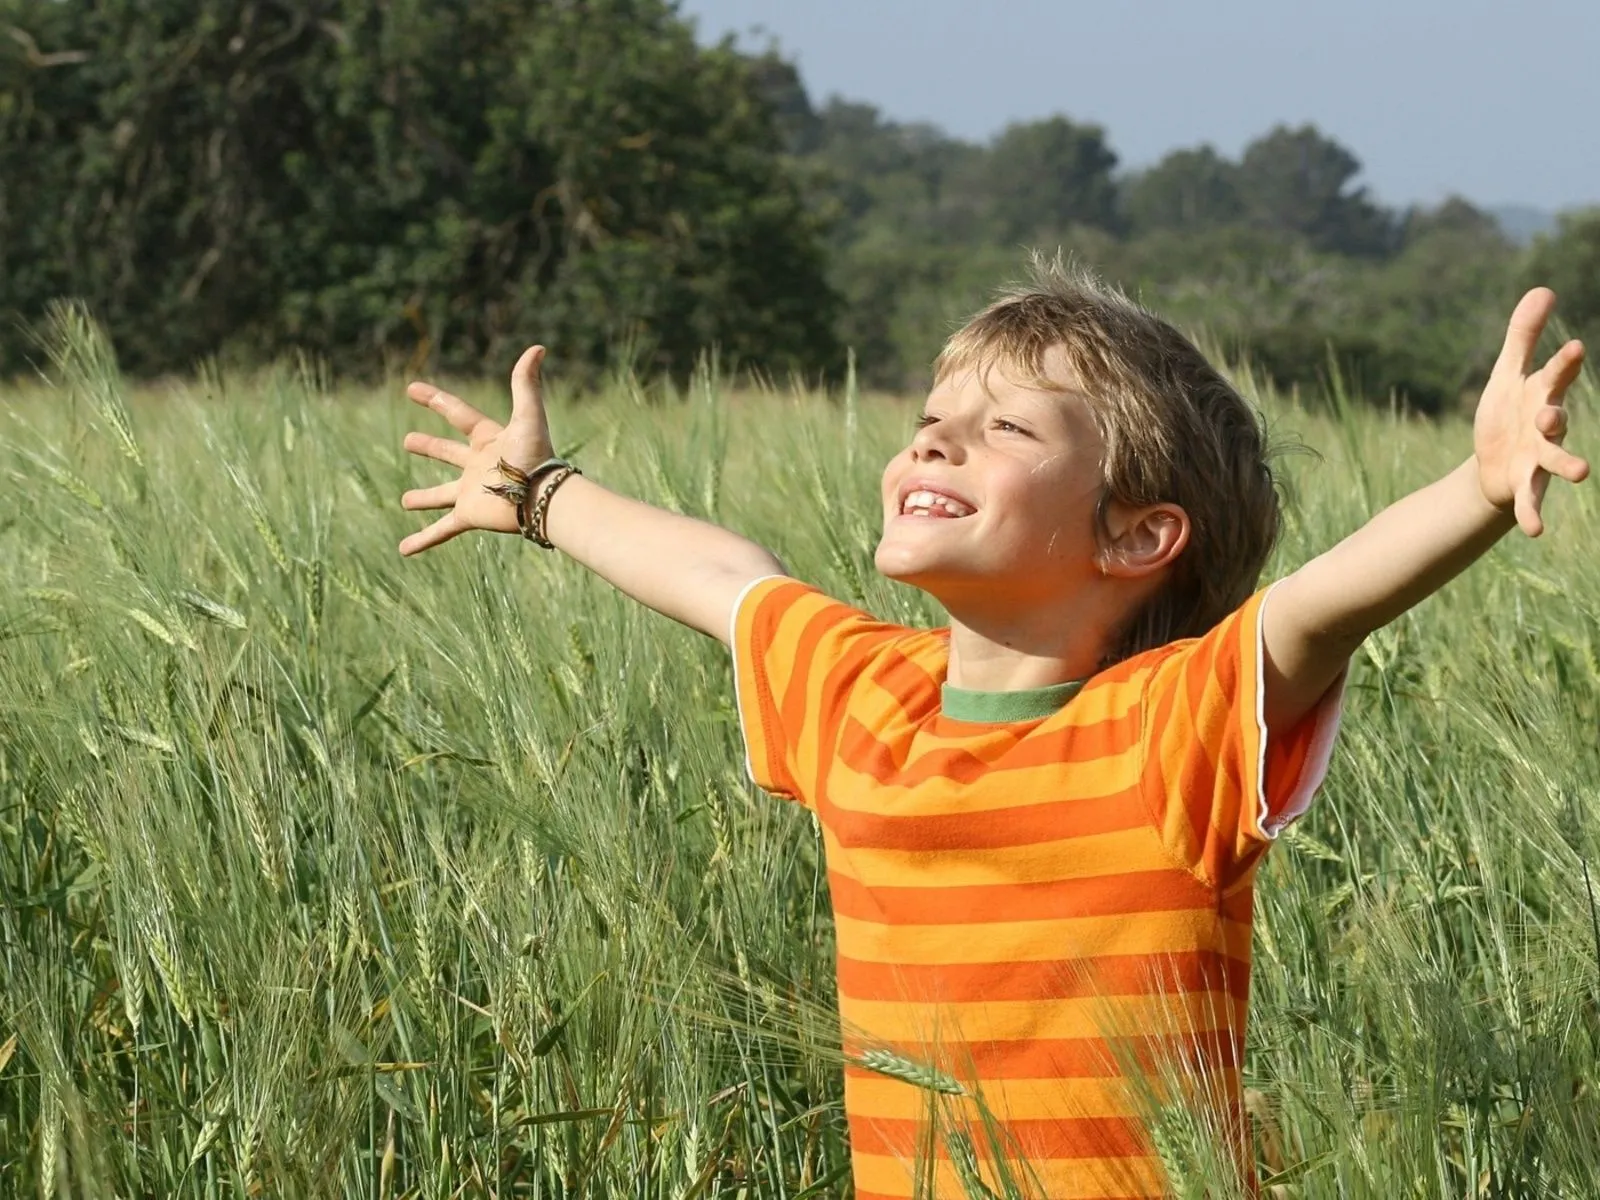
(1498, 102)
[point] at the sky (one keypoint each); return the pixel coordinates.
(1497, 102)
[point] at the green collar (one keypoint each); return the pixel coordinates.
(1033, 704)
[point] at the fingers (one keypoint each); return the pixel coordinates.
(1526, 505)
(440, 449)
(441, 531)
(1561, 372)
(1522, 333)
(443, 496)
(1551, 421)
(527, 388)
(1563, 464)
(461, 415)
(1553, 461)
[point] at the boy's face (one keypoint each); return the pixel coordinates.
(994, 499)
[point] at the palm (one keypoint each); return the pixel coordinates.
(1521, 422)
(523, 441)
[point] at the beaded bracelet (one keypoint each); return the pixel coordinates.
(534, 529)
(518, 485)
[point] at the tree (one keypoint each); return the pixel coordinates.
(365, 178)
(1188, 190)
(1568, 261)
(1043, 177)
(1454, 216)
(778, 82)
(1298, 181)
(903, 177)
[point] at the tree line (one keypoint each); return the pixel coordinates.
(372, 179)
(1280, 256)
(388, 182)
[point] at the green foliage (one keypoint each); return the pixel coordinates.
(1569, 261)
(1046, 176)
(405, 180)
(1188, 190)
(387, 183)
(1279, 256)
(1298, 181)
(328, 874)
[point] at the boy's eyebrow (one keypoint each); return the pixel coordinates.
(1041, 392)
(1045, 403)
(1038, 385)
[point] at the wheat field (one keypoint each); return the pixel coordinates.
(324, 873)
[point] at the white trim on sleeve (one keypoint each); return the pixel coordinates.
(733, 648)
(1327, 714)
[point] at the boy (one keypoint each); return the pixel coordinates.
(1042, 823)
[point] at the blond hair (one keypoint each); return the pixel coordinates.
(1174, 429)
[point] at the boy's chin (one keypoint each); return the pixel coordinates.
(929, 577)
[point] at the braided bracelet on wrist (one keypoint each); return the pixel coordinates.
(519, 485)
(533, 528)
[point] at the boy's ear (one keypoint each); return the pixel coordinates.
(1143, 541)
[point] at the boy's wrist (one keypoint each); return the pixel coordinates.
(533, 517)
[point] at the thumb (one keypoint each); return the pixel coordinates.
(1522, 332)
(527, 392)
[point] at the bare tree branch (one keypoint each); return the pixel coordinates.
(60, 58)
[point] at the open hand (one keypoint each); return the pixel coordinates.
(1520, 423)
(523, 442)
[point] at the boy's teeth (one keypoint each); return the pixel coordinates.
(925, 500)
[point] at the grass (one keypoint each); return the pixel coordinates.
(328, 874)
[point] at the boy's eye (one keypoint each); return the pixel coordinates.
(1005, 426)
(925, 420)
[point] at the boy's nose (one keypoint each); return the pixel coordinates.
(934, 442)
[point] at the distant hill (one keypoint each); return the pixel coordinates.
(1522, 223)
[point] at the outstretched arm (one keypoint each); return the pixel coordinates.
(689, 570)
(1320, 614)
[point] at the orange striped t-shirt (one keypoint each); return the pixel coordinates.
(1036, 910)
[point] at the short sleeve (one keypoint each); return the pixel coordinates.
(796, 654)
(1219, 789)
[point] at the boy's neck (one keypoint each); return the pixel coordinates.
(1026, 648)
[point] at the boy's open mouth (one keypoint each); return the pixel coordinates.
(923, 502)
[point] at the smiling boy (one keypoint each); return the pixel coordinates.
(1042, 823)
